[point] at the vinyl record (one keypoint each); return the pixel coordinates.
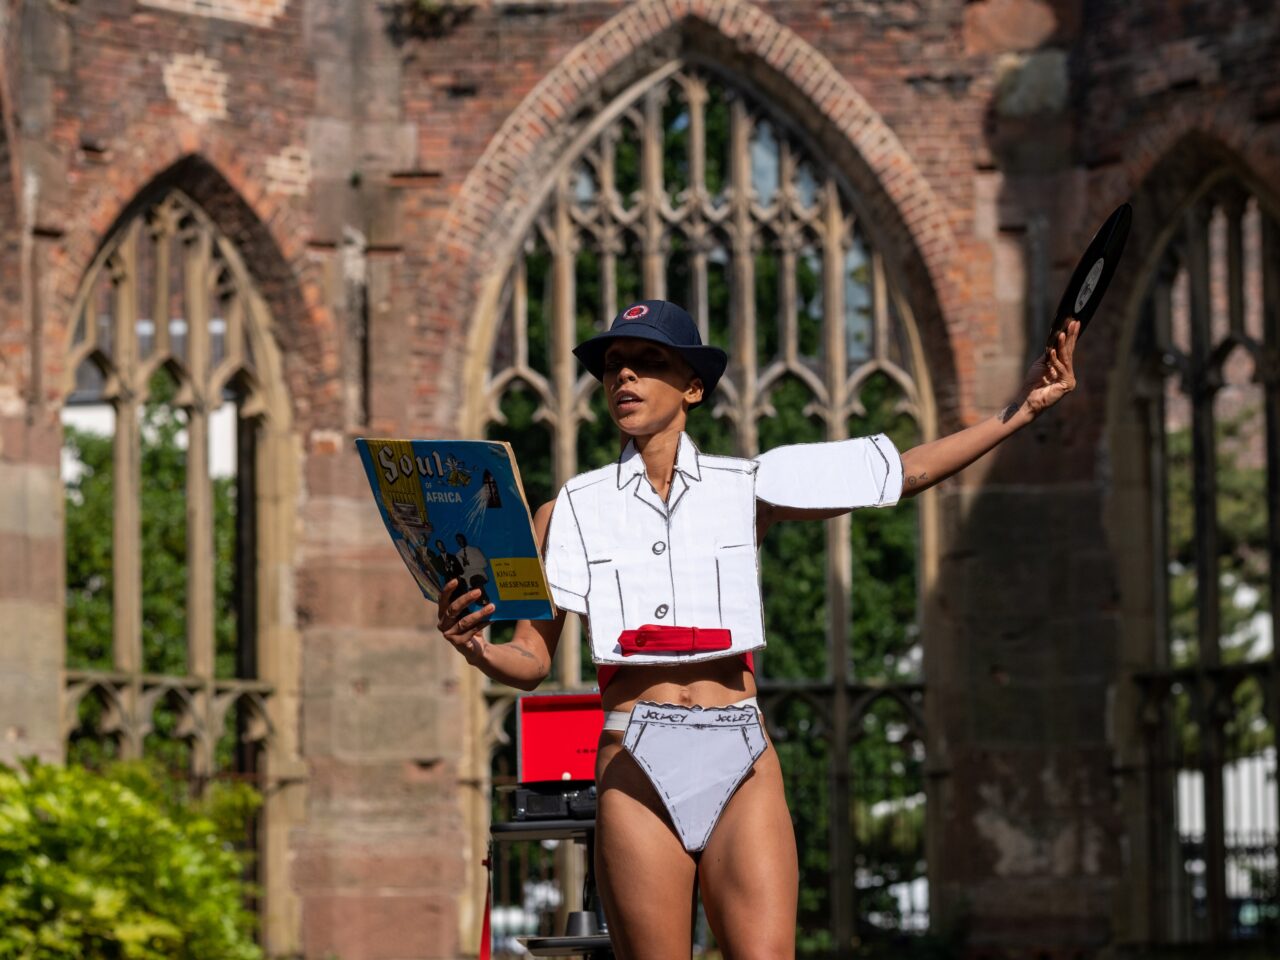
(1093, 273)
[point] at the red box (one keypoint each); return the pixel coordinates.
(556, 737)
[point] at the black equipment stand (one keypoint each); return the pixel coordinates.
(576, 942)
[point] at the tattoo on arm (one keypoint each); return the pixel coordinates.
(1008, 412)
(913, 481)
(526, 654)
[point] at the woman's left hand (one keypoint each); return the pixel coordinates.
(1052, 376)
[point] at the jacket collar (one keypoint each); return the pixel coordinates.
(631, 471)
(631, 464)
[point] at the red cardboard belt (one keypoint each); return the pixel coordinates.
(652, 638)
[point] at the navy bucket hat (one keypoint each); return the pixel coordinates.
(662, 322)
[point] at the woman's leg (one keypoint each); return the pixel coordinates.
(646, 878)
(748, 873)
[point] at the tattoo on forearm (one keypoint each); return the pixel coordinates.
(1008, 412)
(525, 653)
(913, 481)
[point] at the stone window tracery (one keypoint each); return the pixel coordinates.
(166, 399)
(1207, 394)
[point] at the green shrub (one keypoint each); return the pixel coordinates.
(121, 864)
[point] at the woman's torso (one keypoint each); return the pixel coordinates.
(706, 683)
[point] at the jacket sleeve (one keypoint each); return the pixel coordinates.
(839, 475)
(566, 557)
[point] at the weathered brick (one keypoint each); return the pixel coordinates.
(292, 124)
(198, 85)
(383, 926)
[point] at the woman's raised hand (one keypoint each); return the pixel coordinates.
(460, 628)
(1052, 376)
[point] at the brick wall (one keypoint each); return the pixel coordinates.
(270, 127)
(374, 172)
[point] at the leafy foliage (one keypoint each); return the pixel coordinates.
(163, 511)
(89, 509)
(120, 860)
(121, 864)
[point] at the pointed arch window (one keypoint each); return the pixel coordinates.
(693, 188)
(1207, 394)
(167, 393)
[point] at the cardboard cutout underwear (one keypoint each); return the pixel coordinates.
(696, 758)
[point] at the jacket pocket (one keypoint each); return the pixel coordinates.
(737, 583)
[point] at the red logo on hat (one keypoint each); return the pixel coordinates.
(636, 312)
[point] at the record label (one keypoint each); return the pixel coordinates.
(1090, 282)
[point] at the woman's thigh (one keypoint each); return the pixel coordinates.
(748, 873)
(645, 876)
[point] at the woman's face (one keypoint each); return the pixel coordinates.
(649, 386)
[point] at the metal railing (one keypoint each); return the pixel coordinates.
(1212, 803)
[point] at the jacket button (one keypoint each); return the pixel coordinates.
(659, 547)
(661, 611)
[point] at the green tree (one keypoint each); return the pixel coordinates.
(121, 864)
(89, 491)
(89, 499)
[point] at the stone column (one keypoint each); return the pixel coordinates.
(31, 585)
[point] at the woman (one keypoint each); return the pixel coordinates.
(658, 552)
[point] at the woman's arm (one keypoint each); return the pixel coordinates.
(1048, 380)
(525, 661)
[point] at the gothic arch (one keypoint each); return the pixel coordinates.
(589, 90)
(1166, 159)
(230, 254)
(1187, 171)
(249, 257)
(505, 187)
(268, 233)
(1193, 158)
